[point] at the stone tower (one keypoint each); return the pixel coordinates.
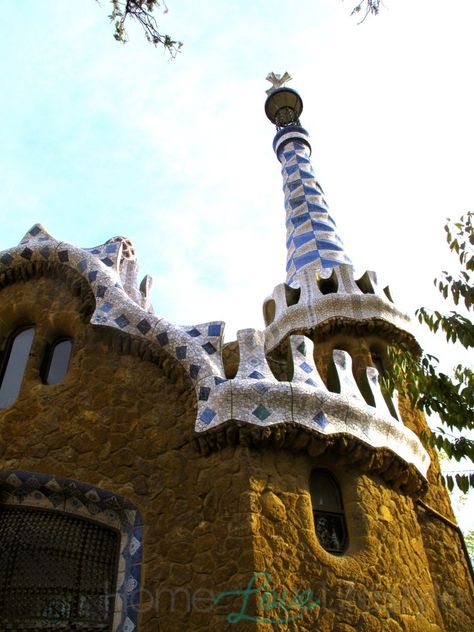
(152, 478)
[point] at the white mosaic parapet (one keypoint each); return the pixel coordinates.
(256, 398)
(325, 295)
(119, 303)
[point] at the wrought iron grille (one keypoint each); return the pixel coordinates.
(57, 571)
(331, 531)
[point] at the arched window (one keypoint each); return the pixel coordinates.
(56, 362)
(328, 512)
(13, 367)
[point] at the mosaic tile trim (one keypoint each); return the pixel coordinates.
(311, 236)
(31, 489)
(344, 300)
(255, 397)
(118, 302)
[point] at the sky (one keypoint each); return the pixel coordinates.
(100, 139)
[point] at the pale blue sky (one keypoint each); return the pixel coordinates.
(99, 139)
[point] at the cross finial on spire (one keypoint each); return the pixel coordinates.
(277, 81)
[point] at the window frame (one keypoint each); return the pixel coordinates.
(48, 358)
(324, 510)
(6, 356)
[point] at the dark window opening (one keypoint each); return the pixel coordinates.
(58, 571)
(56, 361)
(328, 512)
(13, 367)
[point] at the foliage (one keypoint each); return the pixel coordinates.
(418, 377)
(142, 12)
(367, 7)
(469, 540)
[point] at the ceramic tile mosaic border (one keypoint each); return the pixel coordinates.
(30, 489)
(254, 396)
(197, 347)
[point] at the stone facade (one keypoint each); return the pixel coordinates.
(200, 455)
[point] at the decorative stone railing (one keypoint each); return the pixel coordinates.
(324, 296)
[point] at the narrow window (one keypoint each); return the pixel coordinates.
(16, 356)
(328, 512)
(58, 571)
(57, 360)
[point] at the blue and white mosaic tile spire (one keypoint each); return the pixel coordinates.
(312, 239)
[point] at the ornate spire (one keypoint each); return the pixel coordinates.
(312, 239)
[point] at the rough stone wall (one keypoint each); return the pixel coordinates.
(445, 556)
(381, 582)
(120, 423)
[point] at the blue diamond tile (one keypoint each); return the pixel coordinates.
(261, 412)
(45, 252)
(107, 261)
(144, 326)
(63, 256)
(302, 347)
(306, 368)
(92, 276)
(101, 290)
(209, 348)
(310, 381)
(321, 420)
(6, 259)
(207, 415)
(122, 321)
(194, 370)
(214, 330)
(163, 338)
(111, 247)
(194, 333)
(261, 388)
(181, 352)
(219, 380)
(27, 253)
(82, 265)
(256, 375)
(106, 307)
(204, 393)
(34, 231)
